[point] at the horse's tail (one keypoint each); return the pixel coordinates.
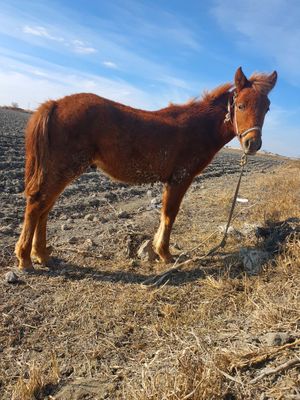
(37, 142)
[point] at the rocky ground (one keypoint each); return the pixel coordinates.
(87, 329)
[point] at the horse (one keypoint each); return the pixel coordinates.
(171, 145)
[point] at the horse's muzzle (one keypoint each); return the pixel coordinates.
(252, 145)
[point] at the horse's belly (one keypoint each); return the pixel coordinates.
(132, 172)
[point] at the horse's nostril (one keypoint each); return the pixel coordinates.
(247, 144)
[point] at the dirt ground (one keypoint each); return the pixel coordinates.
(87, 328)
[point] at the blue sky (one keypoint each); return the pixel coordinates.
(148, 53)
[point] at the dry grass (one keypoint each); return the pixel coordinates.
(200, 336)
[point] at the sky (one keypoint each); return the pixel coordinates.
(148, 53)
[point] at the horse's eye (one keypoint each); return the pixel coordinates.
(241, 106)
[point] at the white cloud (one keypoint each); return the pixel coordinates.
(76, 45)
(106, 43)
(41, 31)
(22, 82)
(110, 64)
(81, 47)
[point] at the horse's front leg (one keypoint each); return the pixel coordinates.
(172, 197)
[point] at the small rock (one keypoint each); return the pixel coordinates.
(73, 240)
(11, 277)
(95, 202)
(155, 201)
(249, 230)
(176, 246)
(110, 196)
(88, 244)
(70, 221)
(134, 263)
(231, 231)
(7, 230)
(123, 214)
(65, 227)
(146, 252)
(149, 193)
(253, 260)
(89, 217)
(277, 338)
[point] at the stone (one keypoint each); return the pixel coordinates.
(88, 244)
(11, 277)
(110, 196)
(6, 230)
(277, 338)
(73, 240)
(253, 260)
(89, 217)
(249, 230)
(146, 252)
(155, 201)
(231, 230)
(65, 227)
(123, 214)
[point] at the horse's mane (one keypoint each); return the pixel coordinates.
(205, 101)
(209, 97)
(259, 82)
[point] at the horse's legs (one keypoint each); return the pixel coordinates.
(33, 211)
(40, 253)
(33, 237)
(172, 196)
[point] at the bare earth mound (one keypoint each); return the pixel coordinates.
(225, 327)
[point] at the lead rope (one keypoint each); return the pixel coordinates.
(158, 279)
(222, 244)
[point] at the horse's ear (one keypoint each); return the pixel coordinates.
(240, 80)
(272, 79)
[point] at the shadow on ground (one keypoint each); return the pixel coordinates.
(271, 238)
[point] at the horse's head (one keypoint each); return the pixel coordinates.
(250, 105)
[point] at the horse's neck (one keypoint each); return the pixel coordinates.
(222, 131)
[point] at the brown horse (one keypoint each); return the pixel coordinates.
(171, 145)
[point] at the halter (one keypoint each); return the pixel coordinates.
(228, 118)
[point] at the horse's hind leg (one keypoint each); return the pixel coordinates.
(40, 253)
(32, 240)
(172, 197)
(33, 211)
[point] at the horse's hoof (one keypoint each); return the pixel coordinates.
(43, 262)
(44, 258)
(25, 268)
(167, 258)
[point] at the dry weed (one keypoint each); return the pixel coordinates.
(199, 337)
